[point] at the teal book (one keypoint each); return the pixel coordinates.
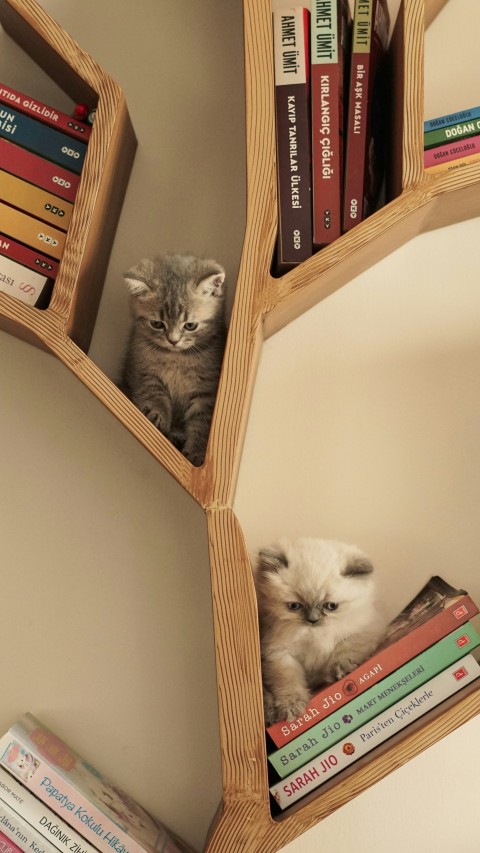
(41, 139)
(374, 701)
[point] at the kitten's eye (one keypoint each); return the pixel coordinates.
(157, 324)
(190, 327)
(294, 605)
(330, 606)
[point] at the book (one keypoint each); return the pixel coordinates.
(436, 610)
(433, 138)
(24, 284)
(35, 200)
(374, 701)
(30, 106)
(330, 43)
(35, 169)
(9, 846)
(99, 811)
(292, 117)
(28, 257)
(367, 105)
(41, 139)
(36, 234)
(37, 820)
(458, 163)
(452, 118)
(365, 739)
(451, 151)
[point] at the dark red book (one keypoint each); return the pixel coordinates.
(292, 110)
(366, 108)
(330, 31)
(49, 115)
(436, 611)
(33, 168)
(28, 257)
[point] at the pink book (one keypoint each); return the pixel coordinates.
(99, 811)
(452, 151)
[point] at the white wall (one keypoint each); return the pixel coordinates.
(364, 425)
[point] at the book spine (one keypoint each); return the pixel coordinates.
(41, 139)
(10, 248)
(433, 138)
(65, 800)
(36, 201)
(38, 171)
(292, 110)
(453, 118)
(329, 25)
(27, 229)
(385, 725)
(44, 113)
(458, 163)
(381, 664)
(451, 151)
(377, 699)
(43, 822)
(22, 283)
(7, 845)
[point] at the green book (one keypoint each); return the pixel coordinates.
(462, 130)
(378, 698)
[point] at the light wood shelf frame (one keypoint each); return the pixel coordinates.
(263, 305)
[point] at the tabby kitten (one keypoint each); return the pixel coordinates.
(319, 619)
(176, 345)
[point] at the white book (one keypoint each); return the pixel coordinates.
(53, 833)
(363, 740)
(20, 282)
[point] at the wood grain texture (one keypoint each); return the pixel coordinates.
(263, 305)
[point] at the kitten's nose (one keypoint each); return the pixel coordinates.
(313, 616)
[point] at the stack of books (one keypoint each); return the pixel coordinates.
(42, 152)
(429, 654)
(330, 111)
(452, 141)
(51, 800)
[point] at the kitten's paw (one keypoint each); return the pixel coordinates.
(342, 668)
(195, 456)
(292, 707)
(157, 417)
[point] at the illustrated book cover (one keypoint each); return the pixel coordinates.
(98, 810)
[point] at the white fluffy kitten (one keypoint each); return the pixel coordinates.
(319, 619)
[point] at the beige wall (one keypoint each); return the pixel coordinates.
(364, 426)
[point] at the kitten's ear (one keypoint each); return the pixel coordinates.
(357, 566)
(272, 559)
(138, 277)
(212, 285)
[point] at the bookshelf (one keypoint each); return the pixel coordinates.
(262, 307)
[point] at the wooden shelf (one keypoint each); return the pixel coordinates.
(263, 305)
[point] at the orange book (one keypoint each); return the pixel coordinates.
(39, 235)
(35, 200)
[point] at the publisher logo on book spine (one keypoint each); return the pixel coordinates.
(460, 673)
(459, 612)
(349, 687)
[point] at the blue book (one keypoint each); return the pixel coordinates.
(46, 141)
(453, 118)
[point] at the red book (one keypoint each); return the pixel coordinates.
(37, 261)
(330, 44)
(435, 612)
(42, 112)
(33, 168)
(292, 110)
(366, 109)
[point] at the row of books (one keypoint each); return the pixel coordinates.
(430, 653)
(452, 141)
(42, 152)
(331, 109)
(52, 800)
